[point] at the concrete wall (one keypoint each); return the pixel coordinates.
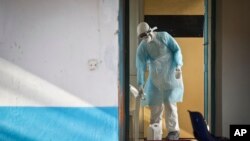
(47, 89)
(233, 66)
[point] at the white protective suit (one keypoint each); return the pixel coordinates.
(164, 86)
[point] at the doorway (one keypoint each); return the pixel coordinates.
(184, 20)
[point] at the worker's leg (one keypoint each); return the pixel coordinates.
(172, 122)
(155, 128)
(156, 114)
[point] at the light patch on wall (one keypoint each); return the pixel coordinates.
(21, 88)
(53, 41)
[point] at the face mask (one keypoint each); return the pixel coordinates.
(148, 38)
(148, 35)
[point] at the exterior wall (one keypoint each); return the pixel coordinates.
(47, 89)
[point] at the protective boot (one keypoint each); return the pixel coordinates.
(174, 135)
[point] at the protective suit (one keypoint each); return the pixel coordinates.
(161, 53)
(163, 56)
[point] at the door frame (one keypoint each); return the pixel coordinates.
(209, 66)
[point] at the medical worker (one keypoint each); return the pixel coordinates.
(164, 86)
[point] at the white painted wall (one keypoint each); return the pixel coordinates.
(45, 46)
(233, 66)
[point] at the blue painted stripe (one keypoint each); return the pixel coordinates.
(58, 123)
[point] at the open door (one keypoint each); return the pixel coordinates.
(184, 20)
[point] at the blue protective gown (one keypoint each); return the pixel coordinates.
(163, 56)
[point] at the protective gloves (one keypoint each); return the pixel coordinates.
(141, 92)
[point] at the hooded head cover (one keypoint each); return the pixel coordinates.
(143, 29)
